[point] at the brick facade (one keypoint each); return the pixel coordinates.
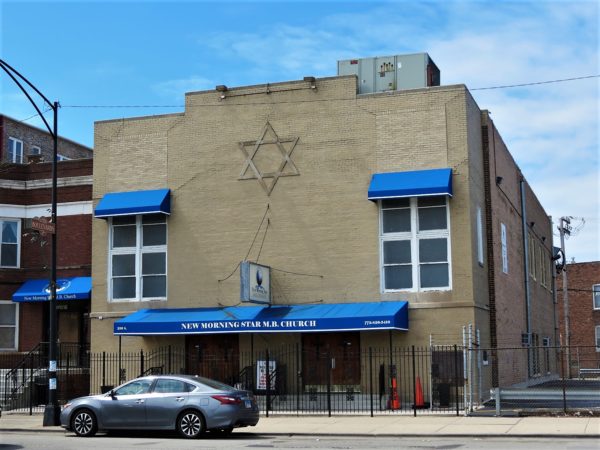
(583, 318)
(509, 305)
(33, 137)
(320, 222)
(25, 192)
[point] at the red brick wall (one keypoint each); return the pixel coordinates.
(510, 301)
(73, 232)
(582, 317)
(31, 325)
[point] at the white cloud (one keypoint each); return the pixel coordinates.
(175, 89)
(551, 129)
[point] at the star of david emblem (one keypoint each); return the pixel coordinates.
(268, 148)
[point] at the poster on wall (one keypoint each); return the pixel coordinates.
(261, 375)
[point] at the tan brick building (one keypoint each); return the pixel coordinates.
(281, 175)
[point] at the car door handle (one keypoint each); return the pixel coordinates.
(180, 399)
(139, 401)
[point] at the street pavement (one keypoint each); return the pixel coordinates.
(450, 426)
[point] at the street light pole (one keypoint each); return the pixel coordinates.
(52, 410)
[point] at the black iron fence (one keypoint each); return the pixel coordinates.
(290, 379)
(24, 377)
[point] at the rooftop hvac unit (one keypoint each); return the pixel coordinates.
(391, 73)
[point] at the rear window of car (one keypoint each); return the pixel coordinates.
(213, 384)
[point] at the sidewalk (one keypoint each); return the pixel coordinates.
(584, 427)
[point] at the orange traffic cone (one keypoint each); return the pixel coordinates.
(395, 400)
(419, 400)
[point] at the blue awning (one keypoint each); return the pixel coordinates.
(411, 184)
(135, 202)
(74, 288)
(266, 319)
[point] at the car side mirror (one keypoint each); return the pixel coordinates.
(112, 394)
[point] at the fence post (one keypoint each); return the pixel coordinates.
(31, 386)
(371, 378)
(456, 379)
(141, 362)
(298, 378)
(564, 382)
(169, 361)
(498, 407)
(414, 371)
(268, 380)
(329, 370)
(103, 368)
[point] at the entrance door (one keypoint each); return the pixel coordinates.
(68, 326)
(340, 351)
(215, 356)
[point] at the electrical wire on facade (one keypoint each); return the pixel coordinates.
(251, 245)
(297, 273)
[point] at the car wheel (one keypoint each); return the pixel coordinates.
(84, 423)
(190, 424)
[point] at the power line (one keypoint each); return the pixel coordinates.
(535, 83)
(35, 115)
(508, 86)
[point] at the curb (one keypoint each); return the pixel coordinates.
(363, 435)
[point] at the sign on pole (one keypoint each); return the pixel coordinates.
(43, 224)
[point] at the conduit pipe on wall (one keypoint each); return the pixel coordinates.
(526, 273)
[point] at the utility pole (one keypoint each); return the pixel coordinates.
(565, 229)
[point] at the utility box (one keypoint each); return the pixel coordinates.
(391, 73)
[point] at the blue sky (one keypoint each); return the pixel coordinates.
(91, 54)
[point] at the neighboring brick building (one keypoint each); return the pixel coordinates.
(25, 193)
(362, 205)
(583, 287)
(19, 141)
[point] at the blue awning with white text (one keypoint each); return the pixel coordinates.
(73, 288)
(267, 319)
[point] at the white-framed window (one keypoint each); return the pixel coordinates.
(503, 240)
(415, 244)
(531, 256)
(35, 150)
(479, 237)
(10, 238)
(9, 325)
(596, 294)
(137, 267)
(598, 338)
(15, 150)
(544, 266)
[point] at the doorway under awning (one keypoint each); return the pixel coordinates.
(366, 316)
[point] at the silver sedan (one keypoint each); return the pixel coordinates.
(189, 404)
